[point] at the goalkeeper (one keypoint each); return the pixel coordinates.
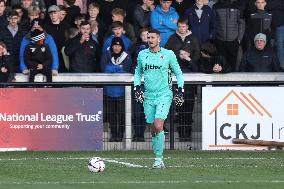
(157, 65)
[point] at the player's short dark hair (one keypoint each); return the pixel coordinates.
(154, 31)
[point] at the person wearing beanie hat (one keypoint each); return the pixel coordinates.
(37, 36)
(260, 57)
(38, 33)
(37, 56)
(260, 41)
(115, 60)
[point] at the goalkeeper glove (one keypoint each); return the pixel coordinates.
(138, 94)
(179, 97)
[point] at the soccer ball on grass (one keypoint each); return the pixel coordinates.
(96, 164)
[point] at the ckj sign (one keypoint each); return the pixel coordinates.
(243, 113)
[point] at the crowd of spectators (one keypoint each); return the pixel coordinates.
(105, 36)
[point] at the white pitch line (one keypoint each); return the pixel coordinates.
(124, 163)
(145, 158)
(145, 182)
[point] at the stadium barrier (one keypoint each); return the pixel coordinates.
(192, 80)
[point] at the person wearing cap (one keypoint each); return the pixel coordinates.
(259, 58)
(37, 24)
(82, 51)
(57, 29)
(115, 60)
(164, 18)
(38, 56)
(12, 36)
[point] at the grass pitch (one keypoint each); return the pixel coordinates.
(132, 170)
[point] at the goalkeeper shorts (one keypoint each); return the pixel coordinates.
(158, 108)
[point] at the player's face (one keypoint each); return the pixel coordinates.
(260, 4)
(153, 40)
(199, 2)
(182, 28)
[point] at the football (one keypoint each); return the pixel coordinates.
(96, 164)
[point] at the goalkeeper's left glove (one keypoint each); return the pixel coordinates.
(138, 94)
(179, 97)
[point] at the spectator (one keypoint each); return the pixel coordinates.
(63, 14)
(230, 30)
(260, 22)
(72, 10)
(202, 21)
(106, 7)
(115, 60)
(210, 61)
(6, 68)
(33, 12)
(164, 18)
(142, 15)
(119, 14)
(57, 30)
(82, 4)
(23, 16)
(184, 116)
(71, 33)
(12, 35)
(82, 51)
(276, 7)
(259, 58)
(3, 15)
(182, 5)
(78, 19)
(183, 37)
(37, 24)
(94, 10)
(38, 57)
(117, 30)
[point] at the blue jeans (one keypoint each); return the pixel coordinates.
(279, 43)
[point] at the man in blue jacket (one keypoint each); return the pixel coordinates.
(37, 24)
(164, 19)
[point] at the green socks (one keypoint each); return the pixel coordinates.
(158, 144)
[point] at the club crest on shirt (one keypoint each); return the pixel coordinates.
(162, 56)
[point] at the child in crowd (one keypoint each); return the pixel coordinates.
(38, 56)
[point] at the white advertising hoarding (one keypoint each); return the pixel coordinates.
(243, 113)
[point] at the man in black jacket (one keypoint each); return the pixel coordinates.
(12, 36)
(259, 58)
(230, 27)
(82, 51)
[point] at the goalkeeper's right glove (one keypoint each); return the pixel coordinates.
(138, 94)
(179, 97)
